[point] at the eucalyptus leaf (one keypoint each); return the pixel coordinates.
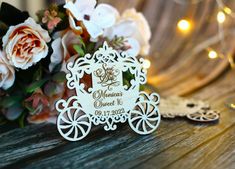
(29, 107)
(14, 112)
(82, 42)
(90, 47)
(21, 120)
(34, 86)
(57, 68)
(79, 50)
(50, 89)
(9, 101)
(59, 77)
(2, 120)
(38, 74)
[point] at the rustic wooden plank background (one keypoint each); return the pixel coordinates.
(179, 67)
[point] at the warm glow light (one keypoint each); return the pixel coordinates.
(146, 64)
(212, 54)
(221, 17)
(184, 25)
(232, 106)
(227, 10)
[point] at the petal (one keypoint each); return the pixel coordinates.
(80, 8)
(69, 39)
(73, 24)
(134, 47)
(36, 27)
(145, 50)
(122, 29)
(39, 118)
(143, 32)
(93, 29)
(105, 15)
(73, 10)
(57, 55)
(140, 20)
(8, 74)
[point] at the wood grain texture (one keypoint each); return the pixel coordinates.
(180, 66)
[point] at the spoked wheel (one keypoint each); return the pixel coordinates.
(74, 124)
(204, 116)
(145, 118)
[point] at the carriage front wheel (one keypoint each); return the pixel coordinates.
(145, 117)
(74, 124)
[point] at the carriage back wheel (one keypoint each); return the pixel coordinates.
(145, 117)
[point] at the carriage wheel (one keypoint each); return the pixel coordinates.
(74, 124)
(204, 116)
(145, 118)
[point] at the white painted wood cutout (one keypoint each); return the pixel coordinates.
(108, 100)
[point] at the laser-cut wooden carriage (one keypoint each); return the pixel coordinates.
(108, 100)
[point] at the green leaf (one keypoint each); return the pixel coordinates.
(2, 120)
(90, 48)
(59, 77)
(79, 50)
(82, 43)
(57, 68)
(21, 120)
(34, 86)
(14, 112)
(38, 74)
(50, 88)
(29, 107)
(9, 101)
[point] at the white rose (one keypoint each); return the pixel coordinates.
(7, 73)
(133, 26)
(143, 32)
(26, 44)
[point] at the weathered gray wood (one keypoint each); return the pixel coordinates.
(178, 67)
(20, 143)
(217, 153)
(105, 146)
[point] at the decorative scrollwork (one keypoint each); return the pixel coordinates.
(109, 121)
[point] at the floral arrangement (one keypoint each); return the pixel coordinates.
(34, 54)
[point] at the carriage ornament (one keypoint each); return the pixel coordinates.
(107, 100)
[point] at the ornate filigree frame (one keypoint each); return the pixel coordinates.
(121, 102)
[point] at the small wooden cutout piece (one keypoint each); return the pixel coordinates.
(194, 110)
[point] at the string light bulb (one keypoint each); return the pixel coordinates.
(212, 54)
(221, 17)
(146, 64)
(227, 10)
(184, 25)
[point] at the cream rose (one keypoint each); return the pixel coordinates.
(62, 50)
(26, 44)
(7, 73)
(143, 32)
(133, 26)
